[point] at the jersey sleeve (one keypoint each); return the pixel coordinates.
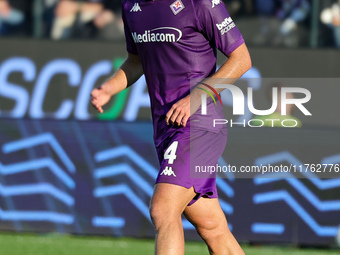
(215, 23)
(130, 44)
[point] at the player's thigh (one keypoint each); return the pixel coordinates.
(206, 214)
(170, 199)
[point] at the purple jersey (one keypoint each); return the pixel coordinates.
(176, 42)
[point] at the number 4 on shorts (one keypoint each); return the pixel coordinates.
(170, 153)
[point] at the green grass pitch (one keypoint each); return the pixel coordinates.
(31, 244)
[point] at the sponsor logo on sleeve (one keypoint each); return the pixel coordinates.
(177, 6)
(226, 25)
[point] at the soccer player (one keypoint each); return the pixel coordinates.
(173, 42)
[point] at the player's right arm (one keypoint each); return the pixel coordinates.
(130, 71)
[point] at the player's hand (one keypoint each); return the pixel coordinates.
(179, 113)
(99, 97)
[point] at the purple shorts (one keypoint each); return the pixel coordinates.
(181, 152)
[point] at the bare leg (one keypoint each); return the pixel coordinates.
(166, 208)
(210, 222)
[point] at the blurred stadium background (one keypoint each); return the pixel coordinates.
(65, 170)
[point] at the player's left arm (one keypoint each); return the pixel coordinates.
(213, 21)
(238, 63)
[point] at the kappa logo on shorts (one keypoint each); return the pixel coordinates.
(177, 6)
(168, 172)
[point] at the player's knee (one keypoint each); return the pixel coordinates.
(162, 214)
(154, 213)
(207, 224)
(158, 214)
(211, 229)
